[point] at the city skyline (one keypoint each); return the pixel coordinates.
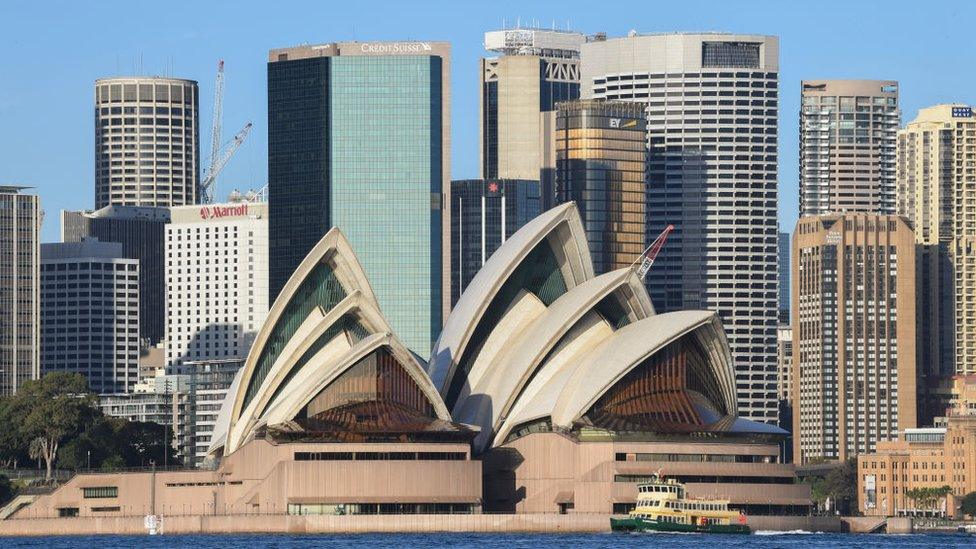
(191, 48)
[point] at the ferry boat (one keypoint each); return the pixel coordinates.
(663, 507)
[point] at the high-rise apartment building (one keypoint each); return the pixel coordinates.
(784, 354)
(854, 375)
(141, 231)
(90, 313)
(783, 267)
(147, 142)
(536, 69)
(712, 105)
(848, 133)
(216, 281)
(359, 138)
(20, 227)
(484, 213)
(936, 176)
(600, 164)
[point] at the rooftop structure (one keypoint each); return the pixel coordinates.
(541, 42)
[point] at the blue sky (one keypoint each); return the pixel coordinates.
(53, 51)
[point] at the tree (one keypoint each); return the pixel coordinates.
(969, 504)
(51, 409)
(840, 486)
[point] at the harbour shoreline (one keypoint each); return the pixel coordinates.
(363, 524)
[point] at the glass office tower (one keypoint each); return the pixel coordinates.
(359, 134)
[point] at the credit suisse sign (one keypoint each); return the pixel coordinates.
(395, 47)
(217, 212)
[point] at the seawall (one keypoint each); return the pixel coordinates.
(321, 524)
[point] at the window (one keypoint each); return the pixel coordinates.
(100, 492)
(730, 54)
(67, 511)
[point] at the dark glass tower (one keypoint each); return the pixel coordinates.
(485, 213)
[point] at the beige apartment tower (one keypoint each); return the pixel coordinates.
(847, 146)
(936, 190)
(147, 142)
(20, 310)
(854, 374)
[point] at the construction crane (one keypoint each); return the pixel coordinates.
(217, 159)
(218, 162)
(650, 254)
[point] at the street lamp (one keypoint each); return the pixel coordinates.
(89, 460)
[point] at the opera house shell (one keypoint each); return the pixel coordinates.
(579, 389)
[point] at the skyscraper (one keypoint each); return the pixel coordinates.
(483, 215)
(146, 142)
(847, 146)
(937, 191)
(783, 266)
(600, 163)
(141, 231)
(536, 69)
(854, 374)
(20, 225)
(359, 138)
(216, 281)
(90, 313)
(712, 105)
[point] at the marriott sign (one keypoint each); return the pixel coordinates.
(216, 212)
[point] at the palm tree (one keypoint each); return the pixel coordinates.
(38, 450)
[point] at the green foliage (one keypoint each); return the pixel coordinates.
(7, 490)
(928, 497)
(969, 504)
(840, 486)
(56, 420)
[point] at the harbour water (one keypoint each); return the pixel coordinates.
(760, 540)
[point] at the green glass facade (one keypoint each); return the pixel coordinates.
(357, 140)
(386, 183)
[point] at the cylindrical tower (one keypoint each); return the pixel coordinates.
(146, 142)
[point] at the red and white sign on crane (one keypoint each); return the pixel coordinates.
(647, 258)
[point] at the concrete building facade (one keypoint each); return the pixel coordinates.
(141, 230)
(937, 192)
(712, 110)
(848, 133)
(209, 381)
(854, 372)
(216, 281)
(385, 183)
(20, 313)
(600, 165)
(536, 69)
(485, 213)
(147, 142)
(90, 313)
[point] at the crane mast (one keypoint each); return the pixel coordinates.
(218, 114)
(219, 158)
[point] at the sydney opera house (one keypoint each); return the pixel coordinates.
(550, 390)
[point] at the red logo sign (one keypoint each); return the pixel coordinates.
(493, 187)
(216, 212)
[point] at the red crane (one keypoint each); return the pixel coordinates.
(650, 254)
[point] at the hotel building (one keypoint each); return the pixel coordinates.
(90, 313)
(712, 111)
(359, 138)
(854, 373)
(147, 142)
(600, 165)
(848, 134)
(216, 281)
(20, 330)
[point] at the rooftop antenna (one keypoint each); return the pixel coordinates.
(518, 22)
